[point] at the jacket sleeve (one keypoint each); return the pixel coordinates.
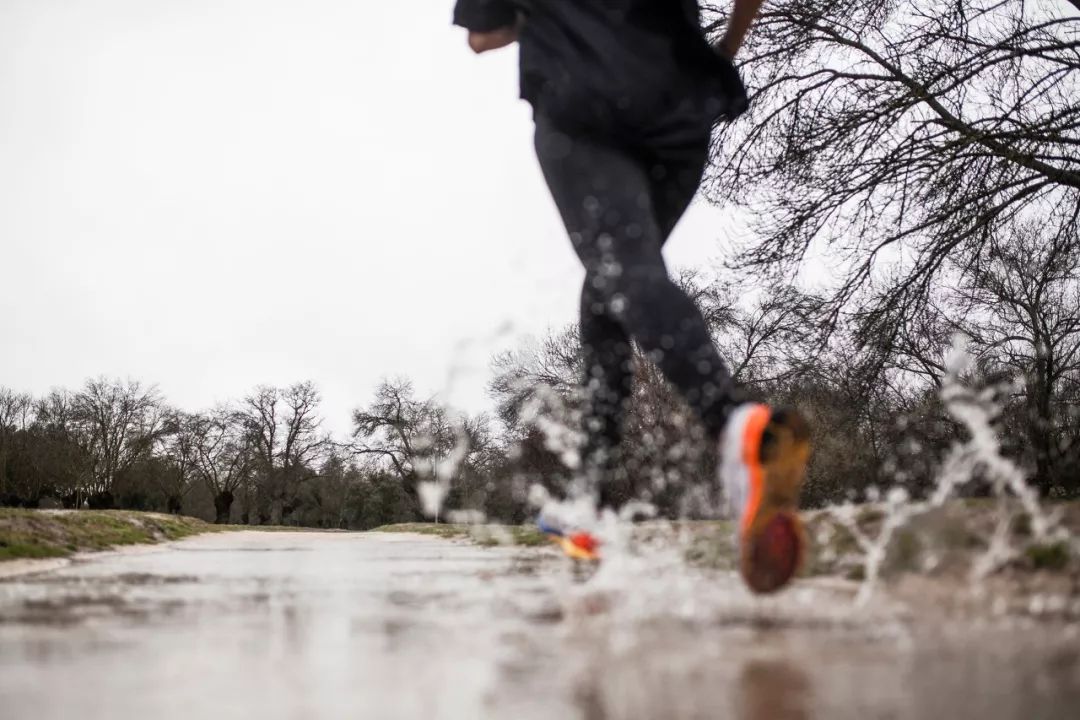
(484, 15)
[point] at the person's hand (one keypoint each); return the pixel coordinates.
(495, 39)
(481, 42)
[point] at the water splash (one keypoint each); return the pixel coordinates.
(433, 492)
(548, 411)
(978, 457)
(897, 512)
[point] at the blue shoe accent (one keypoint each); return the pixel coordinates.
(548, 529)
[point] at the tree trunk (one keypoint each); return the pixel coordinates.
(222, 507)
(1040, 435)
(1041, 446)
(173, 504)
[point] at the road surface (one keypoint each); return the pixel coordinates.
(383, 626)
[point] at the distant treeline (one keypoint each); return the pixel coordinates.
(264, 458)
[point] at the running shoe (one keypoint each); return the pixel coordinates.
(577, 544)
(763, 456)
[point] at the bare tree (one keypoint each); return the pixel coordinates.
(474, 470)
(180, 446)
(16, 416)
(60, 457)
(118, 423)
(284, 430)
(1022, 312)
(551, 365)
(402, 433)
(223, 456)
(897, 136)
(420, 440)
(764, 337)
(538, 399)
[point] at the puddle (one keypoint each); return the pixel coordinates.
(356, 625)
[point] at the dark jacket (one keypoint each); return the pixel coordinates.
(625, 62)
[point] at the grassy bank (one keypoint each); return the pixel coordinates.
(57, 533)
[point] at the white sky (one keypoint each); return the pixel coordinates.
(212, 194)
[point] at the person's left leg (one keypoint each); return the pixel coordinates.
(674, 170)
(608, 373)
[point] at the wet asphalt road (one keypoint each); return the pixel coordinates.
(309, 625)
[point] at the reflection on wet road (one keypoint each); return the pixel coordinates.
(299, 625)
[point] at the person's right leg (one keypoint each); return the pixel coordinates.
(674, 163)
(605, 196)
(608, 201)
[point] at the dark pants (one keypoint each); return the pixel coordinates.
(620, 201)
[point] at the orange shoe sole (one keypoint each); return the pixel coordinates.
(776, 449)
(580, 546)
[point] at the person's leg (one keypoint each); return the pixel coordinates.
(607, 351)
(605, 196)
(619, 216)
(676, 165)
(607, 357)
(763, 451)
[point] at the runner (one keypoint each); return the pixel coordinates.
(625, 94)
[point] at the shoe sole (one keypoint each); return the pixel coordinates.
(578, 546)
(775, 449)
(574, 551)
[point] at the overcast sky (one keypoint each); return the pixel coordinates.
(213, 194)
